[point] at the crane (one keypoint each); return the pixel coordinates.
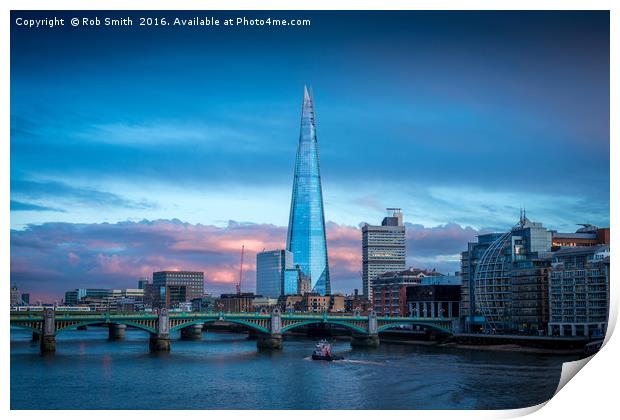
(240, 271)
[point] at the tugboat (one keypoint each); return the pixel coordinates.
(323, 351)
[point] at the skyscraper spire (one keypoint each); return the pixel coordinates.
(306, 227)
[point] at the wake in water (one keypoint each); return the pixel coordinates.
(359, 362)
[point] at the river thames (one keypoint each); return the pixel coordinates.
(225, 371)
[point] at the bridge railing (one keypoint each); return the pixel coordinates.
(138, 314)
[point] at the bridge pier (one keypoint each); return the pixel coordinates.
(116, 331)
(36, 336)
(48, 338)
(372, 338)
(160, 342)
(365, 340)
(269, 342)
(193, 332)
(272, 341)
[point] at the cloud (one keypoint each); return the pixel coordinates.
(57, 191)
(21, 206)
(50, 258)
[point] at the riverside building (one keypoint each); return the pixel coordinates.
(383, 249)
(393, 295)
(579, 291)
(508, 280)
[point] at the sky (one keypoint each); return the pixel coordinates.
(135, 149)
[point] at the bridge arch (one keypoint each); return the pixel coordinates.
(352, 327)
(27, 327)
(104, 323)
(417, 323)
(224, 319)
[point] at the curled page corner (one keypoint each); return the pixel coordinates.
(569, 370)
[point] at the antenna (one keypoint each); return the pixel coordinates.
(240, 271)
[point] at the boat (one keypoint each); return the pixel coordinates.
(323, 351)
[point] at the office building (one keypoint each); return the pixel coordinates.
(171, 296)
(383, 249)
(291, 281)
(510, 281)
(143, 282)
(306, 227)
(390, 289)
(469, 261)
(579, 291)
(587, 235)
(193, 281)
(76, 296)
(433, 300)
(204, 304)
(275, 274)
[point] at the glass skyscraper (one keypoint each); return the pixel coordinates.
(271, 267)
(306, 226)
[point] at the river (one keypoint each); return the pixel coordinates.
(225, 371)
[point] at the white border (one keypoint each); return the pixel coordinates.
(590, 396)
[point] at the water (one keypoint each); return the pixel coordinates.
(225, 371)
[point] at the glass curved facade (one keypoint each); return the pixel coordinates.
(492, 283)
(306, 227)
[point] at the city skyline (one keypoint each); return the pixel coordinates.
(98, 180)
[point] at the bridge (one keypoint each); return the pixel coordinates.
(268, 327)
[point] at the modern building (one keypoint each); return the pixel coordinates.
(469, 262)
(433, 300)
(587, 235)
(306, 227)
(579, 291)
(136, 294)
(510, 281)
(171, 296)
(275, 273)
(142, 282)
(291, 281)
(204, 304)
(390, 289)
(193, 281)
(76, 296)
(383, 249)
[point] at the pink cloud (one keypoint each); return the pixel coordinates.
(55, 257)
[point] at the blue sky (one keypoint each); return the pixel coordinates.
(460, 118)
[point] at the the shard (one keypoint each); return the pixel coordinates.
(306, 226)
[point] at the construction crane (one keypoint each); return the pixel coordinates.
(240, 271)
